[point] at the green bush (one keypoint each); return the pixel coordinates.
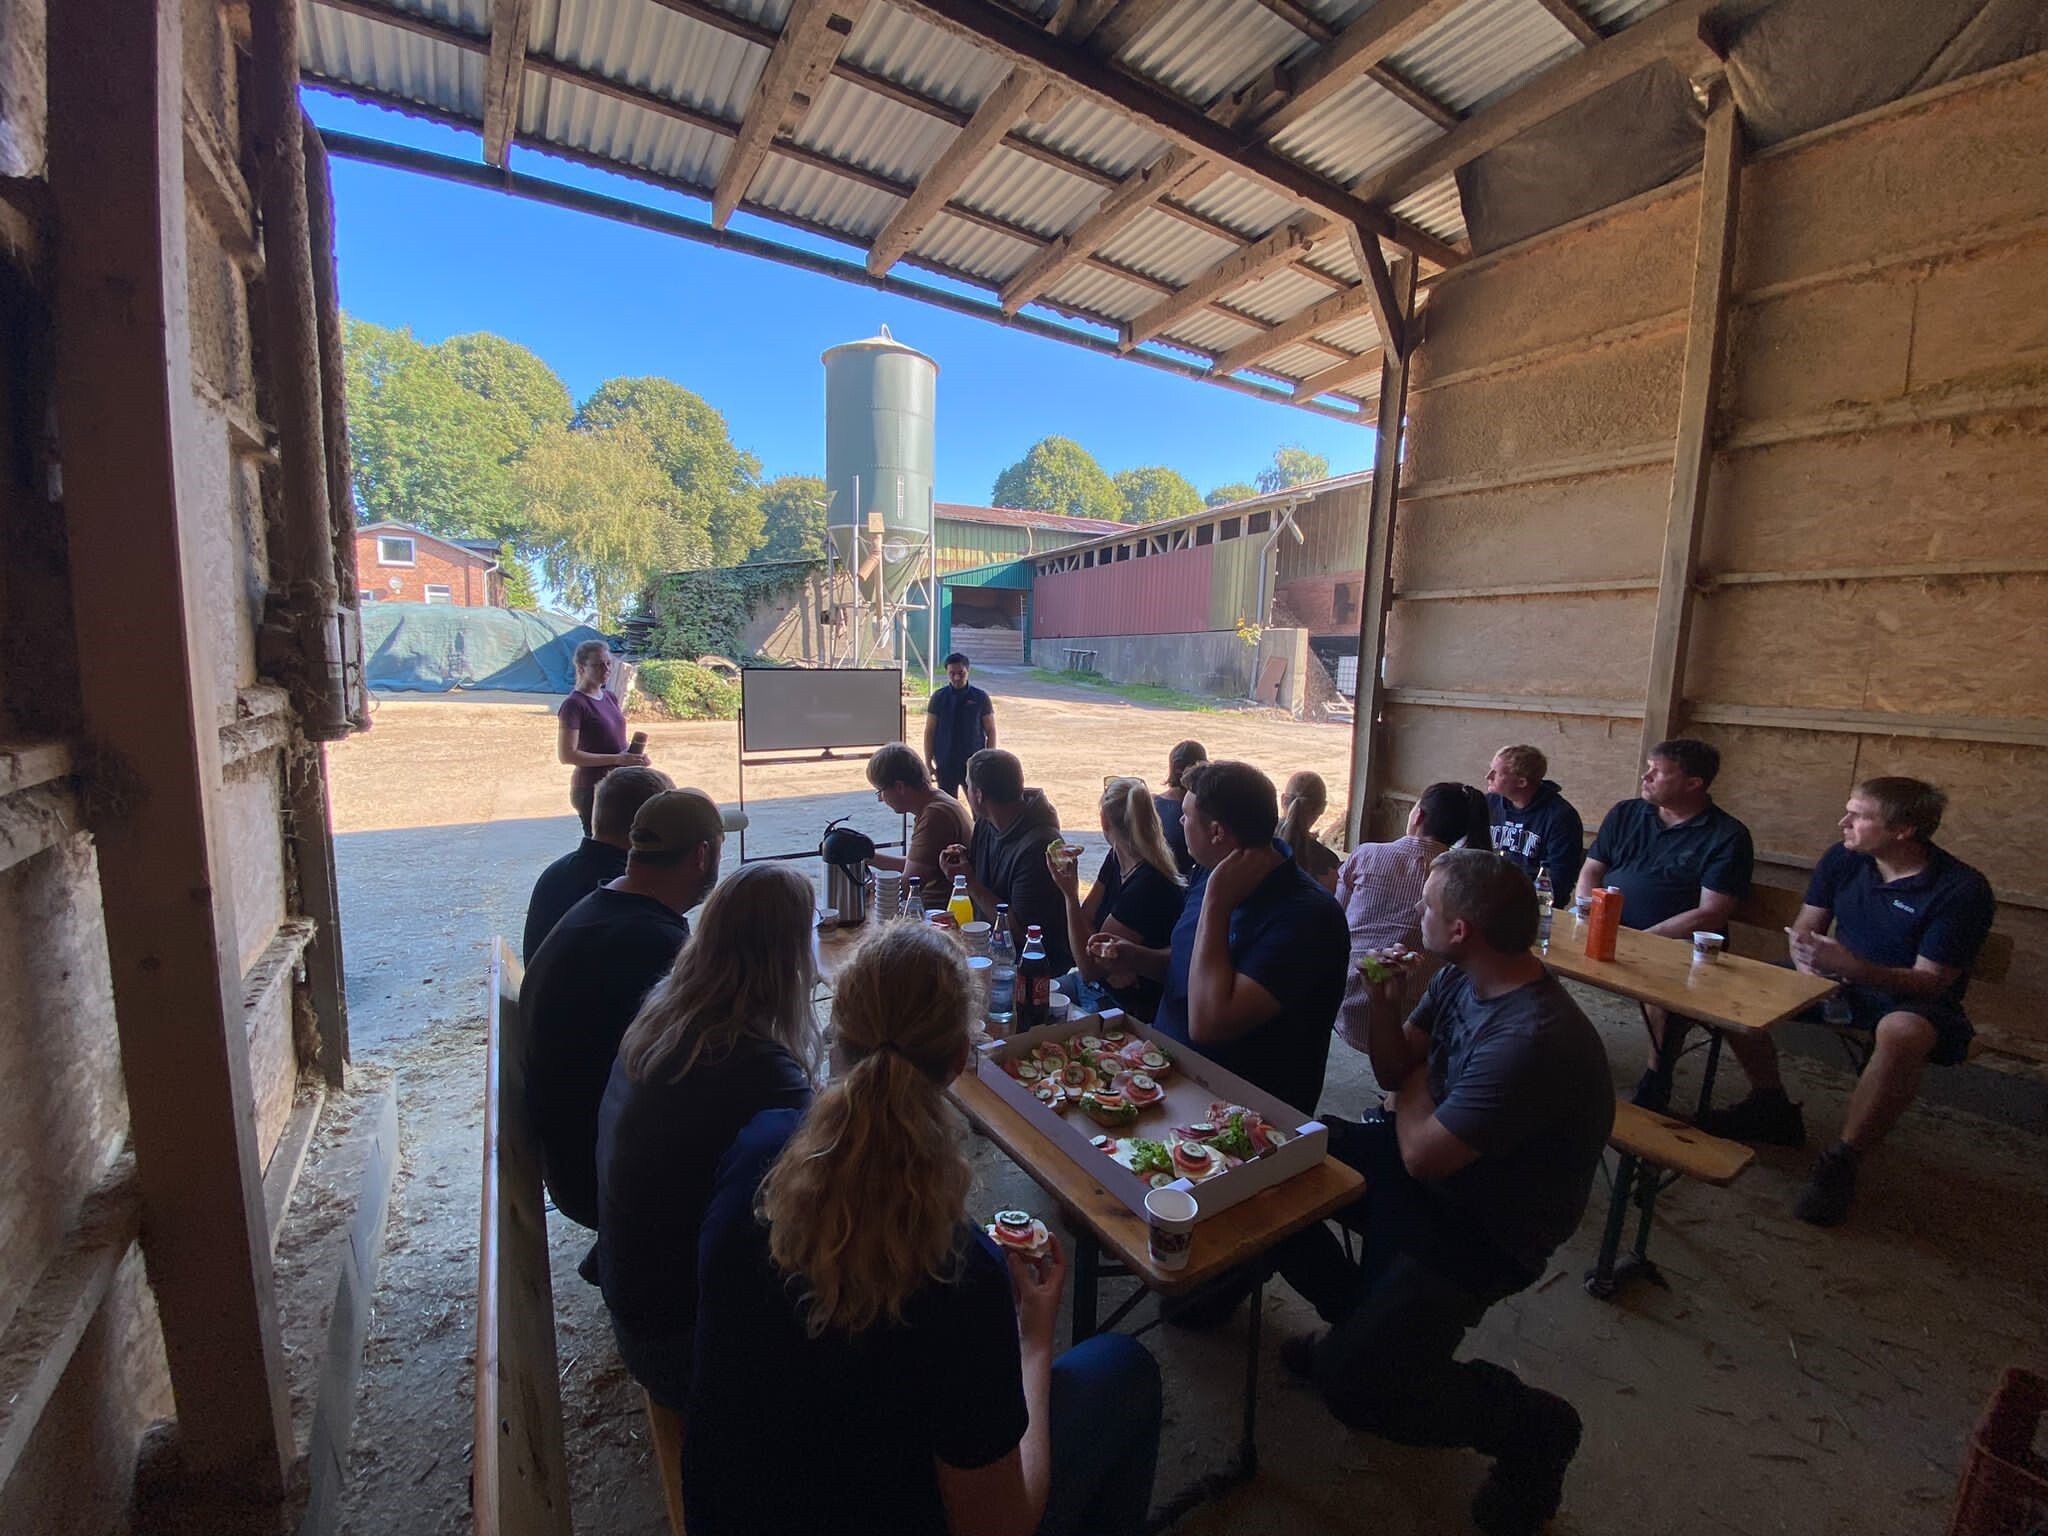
(682, 690)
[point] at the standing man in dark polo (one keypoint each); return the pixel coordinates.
(959, 721)
(1682, 863)
(1909, 918)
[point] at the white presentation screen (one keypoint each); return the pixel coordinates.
(796, 709)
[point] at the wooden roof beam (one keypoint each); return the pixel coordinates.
(1296, 329)
(1121, 27)
(798, 66)
(1284, 246)
(1574, 21)
(1339, 377)
(1018, 41)
(504, 73)
(1384, 75)
(935, 188)
(1388, 27)
(1138, 191)
(1672, 33)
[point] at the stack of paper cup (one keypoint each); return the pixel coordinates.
(888, 894)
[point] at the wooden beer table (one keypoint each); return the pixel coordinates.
(1729, 992)
(1223, 1243)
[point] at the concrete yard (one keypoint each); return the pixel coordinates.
(1788, 1380)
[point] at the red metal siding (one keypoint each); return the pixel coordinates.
(1158, 595)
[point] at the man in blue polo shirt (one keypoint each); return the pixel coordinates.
(959, 721)
(1682, 863)
(1255, 972)
(1909, 918)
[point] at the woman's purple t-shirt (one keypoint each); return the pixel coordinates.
(600, 727)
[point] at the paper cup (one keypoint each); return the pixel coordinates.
(1708, 946)
(1170, 1218)
(975, 936)
(1058, 1007)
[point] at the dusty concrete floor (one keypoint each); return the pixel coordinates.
(1789, 1380)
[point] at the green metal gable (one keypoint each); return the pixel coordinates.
(1004, 575)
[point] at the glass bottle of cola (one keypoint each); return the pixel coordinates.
(1034, 981)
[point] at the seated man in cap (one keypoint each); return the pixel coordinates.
(599, 857)
(586, 982)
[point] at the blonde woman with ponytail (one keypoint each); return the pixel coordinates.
(866, 1360)
(1137, 896)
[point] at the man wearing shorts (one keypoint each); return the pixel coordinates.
(1909, 918)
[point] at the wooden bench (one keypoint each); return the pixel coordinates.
(1653, 1151)
(1769, 910)
(519, 1483)
(1080, 661)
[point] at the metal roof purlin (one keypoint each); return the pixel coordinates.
(1017, 40)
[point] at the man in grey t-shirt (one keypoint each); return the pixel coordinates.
(1501, 1102)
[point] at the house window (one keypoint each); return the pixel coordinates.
(439, 595)
(1258, 522)
(1230, 528)
(394, 549)
(1204, 535)
(370, 595)
(1344, 602)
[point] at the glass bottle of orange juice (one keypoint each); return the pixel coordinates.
(961, 906)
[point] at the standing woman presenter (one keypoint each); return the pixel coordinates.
(592, 738)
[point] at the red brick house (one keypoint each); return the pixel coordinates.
(399, 564)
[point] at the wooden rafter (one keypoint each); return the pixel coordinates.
(1018, 41)
(1384, 75)
(1285, 245)
(1123, 24)
(1140, 190)
(1340, 378)
(1386, 28)
(504, 73)
(1672, 33)
(1574, 21)
(1379, 291)
(1296, 329)
(798, 66)
(991, 121)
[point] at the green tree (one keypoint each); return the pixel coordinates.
(716, 485)
(1059, 475)
(792, 519)
(1223, 495)
(1292, 465)
(1154, 493)
(520, 591)
(525, 394)
(426, 451)
(603, 517)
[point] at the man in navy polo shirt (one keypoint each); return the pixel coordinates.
(1682, 863)
(1909, 918)
(1256, 969)
(959, 721)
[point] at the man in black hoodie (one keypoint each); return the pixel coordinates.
(1534, 826)
(1005, 860)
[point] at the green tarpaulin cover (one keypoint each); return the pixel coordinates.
(435, 647)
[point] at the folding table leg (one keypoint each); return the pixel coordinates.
(1248, 1444)
(1600, 1278)
(1707, 1077)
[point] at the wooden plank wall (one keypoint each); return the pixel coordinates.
(1875, 555)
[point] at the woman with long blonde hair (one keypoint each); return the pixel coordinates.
(866, 1361)
(1137, 895)
(1302, 804)
(727, 1033)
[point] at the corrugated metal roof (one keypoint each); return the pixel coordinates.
(1200, 49)
(1482, 48)
(1023, 517)
(1041, 197)
(1359, 129)
(1196, 49)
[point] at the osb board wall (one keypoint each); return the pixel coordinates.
(1885, 409)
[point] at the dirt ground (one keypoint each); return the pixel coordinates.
(1787, 1380)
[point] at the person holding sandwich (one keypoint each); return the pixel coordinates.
(866, 1360)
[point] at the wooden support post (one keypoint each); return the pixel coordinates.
(1368, 752)
(140, 500)
(1699, 386)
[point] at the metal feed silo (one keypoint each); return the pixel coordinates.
(880, 400)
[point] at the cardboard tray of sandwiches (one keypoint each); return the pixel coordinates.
(1140, 1112)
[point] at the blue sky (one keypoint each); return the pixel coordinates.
(597, 299)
